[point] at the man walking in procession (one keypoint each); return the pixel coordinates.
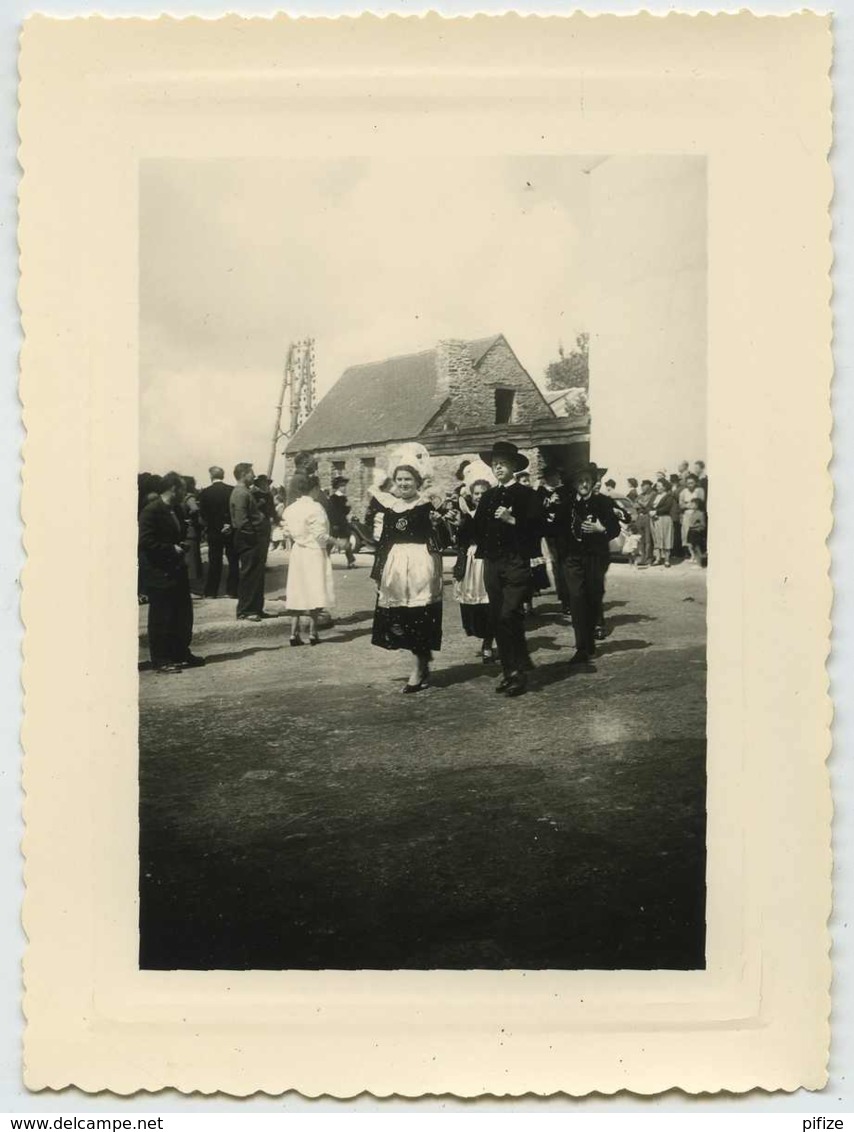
(586, 522)
(509, 524)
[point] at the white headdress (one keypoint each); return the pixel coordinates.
(413, 455)
(478, 470)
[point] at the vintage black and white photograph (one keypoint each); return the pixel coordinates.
(423, 542)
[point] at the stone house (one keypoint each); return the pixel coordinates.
(456, 399)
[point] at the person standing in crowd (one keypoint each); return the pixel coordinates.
(664, 512)
(609, 488)
(147, 489)
(694, 531)
(408, 572)
(702, 478)
(339, 521)
(586, 522)
(677, 551)
(682, 469)
(644, 523)
(251, 542)
(469, 586)
(262, 489)
(509, 524)
(692, 504)
(214, 510)
(193, 521)
(163, 548)
(632, 493)
(549, 492)
(309, 586)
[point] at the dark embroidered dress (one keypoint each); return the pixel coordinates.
(409, 574)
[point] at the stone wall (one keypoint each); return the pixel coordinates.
(471, 390)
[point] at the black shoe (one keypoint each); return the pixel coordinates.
(315, 640)
(296, 641)
(192, 661)
(167, 669)
(504, 683)
(410, 689)
(262, 616)
(518, 686)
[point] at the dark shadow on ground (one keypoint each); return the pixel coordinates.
(547, 674)
(353, 618)
(548, 644)
(461, 674)
(217, 657)
(613, 605)
(589, 862)
(336, 638)
(629, 619)
(608, 647)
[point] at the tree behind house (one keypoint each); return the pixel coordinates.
(571, 371)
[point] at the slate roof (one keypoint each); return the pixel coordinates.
(376, 402)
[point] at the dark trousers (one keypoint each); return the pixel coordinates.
(250, 585)
(217, 546)
(170, 623)
(585, 580)
(508, 586)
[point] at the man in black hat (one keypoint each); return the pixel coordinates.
(585, 524)
(508, 528)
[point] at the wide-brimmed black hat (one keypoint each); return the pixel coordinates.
(592, 469)
(506, 451)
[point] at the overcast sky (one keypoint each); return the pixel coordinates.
(371, 258)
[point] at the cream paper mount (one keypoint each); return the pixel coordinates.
(750, 96)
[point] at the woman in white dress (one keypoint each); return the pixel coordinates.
(309, 587)
(408, 572)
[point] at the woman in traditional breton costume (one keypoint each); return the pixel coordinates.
(469, 586)
(407, 568)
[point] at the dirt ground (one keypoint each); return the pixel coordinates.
(297, 811)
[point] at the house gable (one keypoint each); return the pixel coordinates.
(484, 386)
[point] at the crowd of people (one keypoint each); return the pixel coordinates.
(505, 535)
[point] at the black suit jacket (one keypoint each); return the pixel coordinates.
(494, 537)
(213, 505)
(161, 530)
(572, 512)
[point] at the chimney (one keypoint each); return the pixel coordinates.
(454, 366)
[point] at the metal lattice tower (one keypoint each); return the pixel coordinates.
(299, 390)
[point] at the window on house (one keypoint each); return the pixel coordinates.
(338, 467)
(504, 402)
(366, 472)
